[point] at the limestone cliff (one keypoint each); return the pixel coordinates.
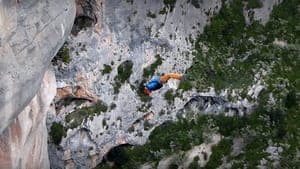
(31, 32)
(131, 41)
(24, 143)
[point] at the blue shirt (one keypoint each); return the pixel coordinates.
(154, 83)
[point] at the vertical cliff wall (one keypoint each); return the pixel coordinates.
(31, 32)
(24, 143)
(131, 41)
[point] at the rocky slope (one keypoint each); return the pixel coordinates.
(129, 36)
(131, 41)
(31, 34)
(235, 68)
(249, 62)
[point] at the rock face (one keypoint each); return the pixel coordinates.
(77, 92)
(131, 36)
(261, 14)
(24, 143)
(31, 34)
(136, 32)
(215, 105)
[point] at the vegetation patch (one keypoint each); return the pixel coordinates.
(116, 87)
(129, 1)
(218, 152)
(107, 69)
(151, 15)
(195, 3)
(149, 71)
(75, 118)
(251, 4)
(173, 166)
(185, 84)
(194, 164)
(257, 129)
(170, 4)
(170, 96)
(235, 52)
(113, 106)
(62, 55)
(124, 72)
(163, 11)
(164, 140)
(57, 132)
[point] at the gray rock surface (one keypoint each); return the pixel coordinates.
(23, 145)
(31, 32)
(135, 31)
(262, 14)
(207, 104)
(125, 31)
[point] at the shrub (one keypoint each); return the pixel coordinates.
(124, 72)
(149, 71)
(107, 69)
(219, 151)
(62, 55)
(169, 96)
(170, 4)
(57, 131)
(76, 117)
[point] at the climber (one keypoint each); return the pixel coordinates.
(157, 82)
